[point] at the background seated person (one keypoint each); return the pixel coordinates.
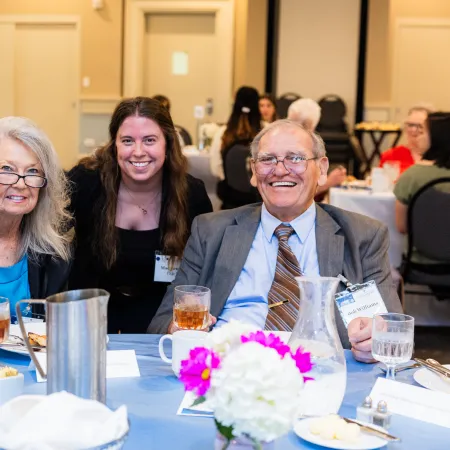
(236, 253)
(306, 112)
(435, 163)
(416, 140)
(34, 248)
(268, 109)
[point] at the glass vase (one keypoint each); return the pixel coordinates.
(240, 443)
(315, 330)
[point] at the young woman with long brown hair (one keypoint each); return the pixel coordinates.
(133, 204)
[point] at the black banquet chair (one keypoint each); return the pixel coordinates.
(429, 234)
(236, 190)
(333, 129)
(187, 139)
(283, 103)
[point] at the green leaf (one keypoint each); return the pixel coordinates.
(199, 400)
(226, 432)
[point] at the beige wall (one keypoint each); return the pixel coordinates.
(101, 38)
(383, 16)
(250, 44)
(318, 49)
(378, 75)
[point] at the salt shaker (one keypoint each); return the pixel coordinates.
(382, 416)
(364, 413)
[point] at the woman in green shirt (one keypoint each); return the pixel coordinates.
(435, 164)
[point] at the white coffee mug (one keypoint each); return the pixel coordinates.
(183, 341)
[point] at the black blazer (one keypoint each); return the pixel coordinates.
(47, 276)
(87, 199)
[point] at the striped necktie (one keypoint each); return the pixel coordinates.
(284, 285)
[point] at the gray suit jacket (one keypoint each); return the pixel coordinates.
(347, 243)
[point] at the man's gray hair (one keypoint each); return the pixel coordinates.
(305, 111)
(318, 148)
(43, 229)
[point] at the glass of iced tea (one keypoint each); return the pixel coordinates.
(5, 319)
(191, 307)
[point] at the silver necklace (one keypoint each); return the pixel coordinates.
(145, 211)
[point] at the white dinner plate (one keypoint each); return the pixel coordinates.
(432, 380)
(33, 327)
(364, 442)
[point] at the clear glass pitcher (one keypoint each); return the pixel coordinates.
(315, 331)
(76, 342)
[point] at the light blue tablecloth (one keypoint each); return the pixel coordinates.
(153, 400)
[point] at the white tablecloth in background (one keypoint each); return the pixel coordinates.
(199, 168)
(379, 206)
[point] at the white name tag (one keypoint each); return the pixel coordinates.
(360, 300)
(162, 271)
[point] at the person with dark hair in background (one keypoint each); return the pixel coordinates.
(435, 163)
(133, 204)
(243, 124)
(267, 108)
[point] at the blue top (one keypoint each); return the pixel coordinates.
(248, 299)
(14, 286)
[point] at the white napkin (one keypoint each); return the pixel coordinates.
(60, 421)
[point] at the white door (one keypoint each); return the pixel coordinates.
(193, 40)
(46, 83)
(421, 69)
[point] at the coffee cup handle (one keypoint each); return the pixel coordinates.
(161, 348)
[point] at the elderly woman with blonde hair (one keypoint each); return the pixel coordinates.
(34, 250)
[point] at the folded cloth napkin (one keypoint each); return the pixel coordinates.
(60, 421)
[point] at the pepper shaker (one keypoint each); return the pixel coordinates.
(382, 416)
(364, 413)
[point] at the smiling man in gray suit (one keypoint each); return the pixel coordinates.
(249, 256)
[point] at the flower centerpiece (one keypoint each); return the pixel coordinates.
(250, 379)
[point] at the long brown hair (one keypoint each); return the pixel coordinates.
(245, 120)
(174, 210)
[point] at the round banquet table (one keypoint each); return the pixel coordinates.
(379, 206)
(153, 399)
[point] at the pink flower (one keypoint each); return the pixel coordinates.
(267, 340)
(195, 372)
(303, 362)
(302, 359)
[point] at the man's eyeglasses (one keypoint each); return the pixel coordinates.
(265, 165)
(414, 126)
(35, 181)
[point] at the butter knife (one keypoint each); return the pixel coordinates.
(374, 431)
(433, 367)
(438, 364)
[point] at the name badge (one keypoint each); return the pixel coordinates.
(162, 271)
(359, 300)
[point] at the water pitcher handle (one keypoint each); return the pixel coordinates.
(25, 335)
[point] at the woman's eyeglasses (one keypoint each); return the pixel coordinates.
(35, 181)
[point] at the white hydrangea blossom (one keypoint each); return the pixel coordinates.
(256, 392)
(228, 337)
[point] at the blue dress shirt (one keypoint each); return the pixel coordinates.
(248, 299)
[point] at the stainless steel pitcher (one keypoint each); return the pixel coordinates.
(76, 342)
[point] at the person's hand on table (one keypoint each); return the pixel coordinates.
(360, 337)
(212, 322)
